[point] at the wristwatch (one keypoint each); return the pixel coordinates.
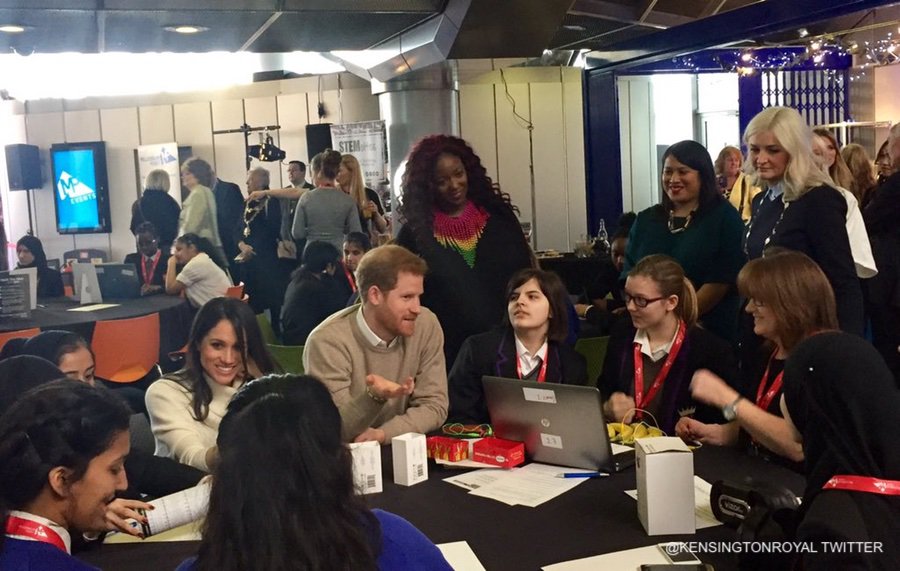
(729, 411)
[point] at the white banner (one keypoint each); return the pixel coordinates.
(366, 142)
(163, 156)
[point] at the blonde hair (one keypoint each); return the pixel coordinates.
(860, 166)
(157, 179)
(838, 171)
(357, 190)
(795, 137)
(669, 277)
(719, 163)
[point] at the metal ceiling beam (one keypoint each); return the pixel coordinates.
(754, 21)
(712, 8)
(621, 13)
(644, 9)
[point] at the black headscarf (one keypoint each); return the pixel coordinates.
(49, 281)
(37, 250)
(845, 402)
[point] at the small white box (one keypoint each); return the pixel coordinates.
(367, 477)
(665, 485)
(410, 459)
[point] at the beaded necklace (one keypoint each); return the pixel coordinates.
(461, 233)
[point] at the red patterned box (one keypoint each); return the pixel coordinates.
(445, 448)
(499, 452)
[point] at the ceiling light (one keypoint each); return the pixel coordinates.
(746, 56)
(574, 27)
(186, 29)
(803, 32)
(12, 29)
(815, 46)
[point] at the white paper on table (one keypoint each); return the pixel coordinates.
(94, 307)
(460, 556)
(478, 478)
(530, 485)
(617, 448)
(702, 508)
(628, 560)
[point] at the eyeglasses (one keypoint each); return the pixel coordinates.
(641, 302)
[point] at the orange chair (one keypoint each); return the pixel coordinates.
(237, 292)
(22, 334)
(125, 350)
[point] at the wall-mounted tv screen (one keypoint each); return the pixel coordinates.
(80, 187)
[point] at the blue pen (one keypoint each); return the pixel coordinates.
(582, 475)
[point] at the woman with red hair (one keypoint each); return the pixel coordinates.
(460, 222)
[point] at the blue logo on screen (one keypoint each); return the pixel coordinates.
(76, 194)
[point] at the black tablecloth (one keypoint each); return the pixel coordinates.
(596, 517)
(174, 312)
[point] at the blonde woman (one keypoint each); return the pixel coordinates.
(825, 145)
(351, 181)
(800, 209)
(734, 185)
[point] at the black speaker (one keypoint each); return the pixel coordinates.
(318, 138)
(23, 166)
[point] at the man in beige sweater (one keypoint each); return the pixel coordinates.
(383, 360)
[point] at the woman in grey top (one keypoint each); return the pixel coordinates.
(325, 213)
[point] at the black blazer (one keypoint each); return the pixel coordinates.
(160, 209)
(229, 216)
(701, 350)
(159, 273)
(816, 224)
(494, 353)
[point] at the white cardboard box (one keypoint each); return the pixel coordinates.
(410, 459)
(665, 485)
(367, 477)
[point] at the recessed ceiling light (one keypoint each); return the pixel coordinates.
(186, 29)
(12, 29)
(574, 27)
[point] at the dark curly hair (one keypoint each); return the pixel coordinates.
(420, 187)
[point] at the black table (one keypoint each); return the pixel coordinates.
(175, 317)
(596, 517)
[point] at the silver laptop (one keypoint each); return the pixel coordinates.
(559, 424)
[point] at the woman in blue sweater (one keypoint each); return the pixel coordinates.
(283, 494)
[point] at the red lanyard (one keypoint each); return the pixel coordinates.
(542, 374)
(864, 484)
(149, 277)
(764, 400)
(639, 400)
(24, 528)
(349, 278)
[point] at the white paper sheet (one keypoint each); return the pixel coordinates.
(530, 485)
(460, 556)
(477, 479)
(186, 532)
(94, 307)
(702, 507)
(629, 560)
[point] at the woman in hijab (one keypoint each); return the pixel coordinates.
(843, 401)
(31, 254)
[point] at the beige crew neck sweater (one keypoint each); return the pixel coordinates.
(337, 353)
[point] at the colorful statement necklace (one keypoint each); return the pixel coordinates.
(461, 233)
